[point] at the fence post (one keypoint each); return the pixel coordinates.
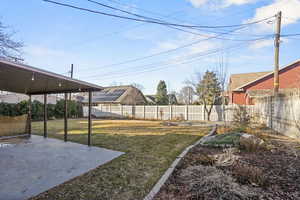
(144, 110)
(133, 111)
(170, 112)
(110, 108)
(156, 111)
(203, 110)
(187, 112)
(121, 110)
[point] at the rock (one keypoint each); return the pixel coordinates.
(250, 142)
(251, 138)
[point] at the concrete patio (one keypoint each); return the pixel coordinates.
(31, 166)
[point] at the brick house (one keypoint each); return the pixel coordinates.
(244, 88)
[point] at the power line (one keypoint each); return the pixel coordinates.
(193, 56)
(152, 21)
(171, 50)
(160, 53)
(149, 18)
(180, 20)
(152, 70)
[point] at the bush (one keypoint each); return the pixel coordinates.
(241, 117)
(206, 182)
(252, 144)
(246, 174)
(37, 109)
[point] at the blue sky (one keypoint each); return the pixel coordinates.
(55, 37)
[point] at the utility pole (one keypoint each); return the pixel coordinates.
(71, 73)
(276, 67)
(277, 45)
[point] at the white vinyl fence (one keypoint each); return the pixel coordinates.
(161, 112)
(282, 114)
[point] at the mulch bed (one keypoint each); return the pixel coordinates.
(270, 174)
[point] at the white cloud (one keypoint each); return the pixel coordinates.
(188, 53)
(42, 51)
(219, 3)
(261, 44)
(290, 13)
(198, 3)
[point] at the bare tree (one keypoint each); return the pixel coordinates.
(186, 94)
(138, 86)
(9, 49)
(222, 71)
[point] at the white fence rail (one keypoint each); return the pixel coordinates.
(162, 112)
(281, 114)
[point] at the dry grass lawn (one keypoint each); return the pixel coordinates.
(149, 147)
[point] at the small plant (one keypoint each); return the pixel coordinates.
(251, 145)
(203, 159)
(246, 174)
(207, 182)
(241, 117)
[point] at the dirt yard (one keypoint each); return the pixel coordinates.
(271, 173)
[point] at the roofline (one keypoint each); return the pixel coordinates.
(48, 73)
(288, 65)
(119, 86)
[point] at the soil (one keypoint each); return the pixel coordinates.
(272, 173)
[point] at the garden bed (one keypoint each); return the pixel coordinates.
(271, 172)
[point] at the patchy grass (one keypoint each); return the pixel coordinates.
(149, 150)
(222, 139)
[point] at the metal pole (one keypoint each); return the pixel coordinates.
(71, 72)
(66, 118)
(45, 115)
(90, 118)
(277, 45)
(29, 115)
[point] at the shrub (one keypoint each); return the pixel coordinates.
(206, 182)
(241, 118)
(53, 111)
(246, 174)
(252, 144)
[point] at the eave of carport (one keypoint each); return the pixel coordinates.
(20, 78)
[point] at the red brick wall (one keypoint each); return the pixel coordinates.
(288, 78)
(239, 98)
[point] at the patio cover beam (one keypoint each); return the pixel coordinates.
(21, 78)
(66, 118)
(45, 116)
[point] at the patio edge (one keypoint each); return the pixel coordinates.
(170, 170)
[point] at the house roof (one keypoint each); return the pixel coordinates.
(114, 94)
(150, 98)
(268, 74)
(237, 80)
(21, 78)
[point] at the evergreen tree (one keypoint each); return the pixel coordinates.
(162, 93)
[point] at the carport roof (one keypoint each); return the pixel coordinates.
(21, 78)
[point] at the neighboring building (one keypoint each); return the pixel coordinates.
(125, 95)
(151, 99)
(244, 88)
(15, 98)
